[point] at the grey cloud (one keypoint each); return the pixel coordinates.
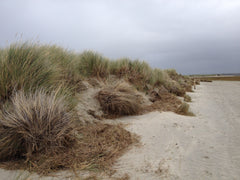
(190, 36)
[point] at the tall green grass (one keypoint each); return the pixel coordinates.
(24, 66)
(65, 62)
(159, 77)
(137, 72)
(93, 64)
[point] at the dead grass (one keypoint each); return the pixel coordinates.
(37, 133)
(197, 82)
(162, 100)
(175, 88)
(183, 109)
(187, 98)
(120, 100)
(34, 123)
(97, 148)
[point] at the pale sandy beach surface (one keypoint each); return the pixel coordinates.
(178, 147)
(206, 146)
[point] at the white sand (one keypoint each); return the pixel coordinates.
(179, 147)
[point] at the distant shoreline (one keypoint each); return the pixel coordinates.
(217, 74)
(219, 78)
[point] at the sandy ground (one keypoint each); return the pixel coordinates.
(179, 147)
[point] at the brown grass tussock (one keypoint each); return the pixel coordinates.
(120, 100)
(35, 123)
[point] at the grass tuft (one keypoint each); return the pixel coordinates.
(120, 100)
(23, 66)
(175, 88)
(183, 109)
(34, 123)
(65, 63)
(93, 64)
(187, 98)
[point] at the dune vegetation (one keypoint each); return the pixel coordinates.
(43, 88)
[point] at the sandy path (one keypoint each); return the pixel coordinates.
(178, 147)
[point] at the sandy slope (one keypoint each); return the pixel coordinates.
(178, 147)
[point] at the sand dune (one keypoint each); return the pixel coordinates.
(206, 146)
(178, 147)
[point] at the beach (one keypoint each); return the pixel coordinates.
(206, 146)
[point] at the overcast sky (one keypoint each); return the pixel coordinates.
(192, 36)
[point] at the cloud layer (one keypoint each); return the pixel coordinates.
(190, 36)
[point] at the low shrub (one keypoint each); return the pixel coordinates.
(35, 123)
(120, 100)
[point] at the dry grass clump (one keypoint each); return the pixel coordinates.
(163, 102)
(103, 143)
(158, 93)
(187, 98)
(37, 133)
(97, 147)
(139, 73)
(120, 100)
(197, 81)
(175, 88)
(184, 83)
(159, 77)
(34, 123)
(172, 74)
(183, 109)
